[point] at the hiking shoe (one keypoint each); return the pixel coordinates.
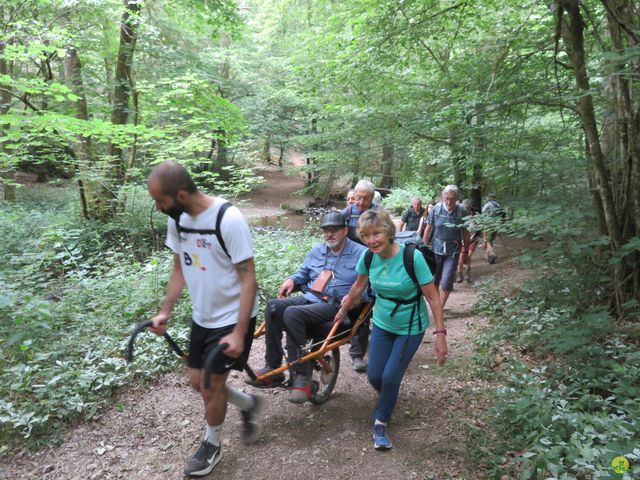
(300, 390)
(380, 439)
(358, 364)
(459, 277)
(269, 382)
(207, 456)
(492, 259)
(251, 425)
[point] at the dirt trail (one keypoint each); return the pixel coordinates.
(278, 190)
(152, 429)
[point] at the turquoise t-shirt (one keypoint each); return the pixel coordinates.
(388, 277)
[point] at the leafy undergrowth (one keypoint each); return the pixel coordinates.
(569, 400)
(70, 292)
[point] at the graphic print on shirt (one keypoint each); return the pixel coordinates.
(193, 260)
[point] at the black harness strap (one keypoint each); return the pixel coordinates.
(408, 265)
(216, 232)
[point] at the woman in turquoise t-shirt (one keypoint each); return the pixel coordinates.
(400, 315)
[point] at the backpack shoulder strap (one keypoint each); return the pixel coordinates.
(223, 208)
(368, 257)
(407, 258)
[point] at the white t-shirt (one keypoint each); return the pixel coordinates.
(213, 282)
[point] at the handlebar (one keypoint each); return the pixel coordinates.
(140, 327)
(208, 364)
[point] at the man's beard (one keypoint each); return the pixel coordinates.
(175, 211)
(333, 244)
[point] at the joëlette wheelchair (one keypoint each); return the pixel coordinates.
(322, 349)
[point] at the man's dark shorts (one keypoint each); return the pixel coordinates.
(204, 339)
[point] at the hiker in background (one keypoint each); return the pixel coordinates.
(364, 193)
(351, 197)
(425, 216)
(411, 217)
(465, 260)
(400, 315)
(217, 268)
(450, 239)
(493, 209)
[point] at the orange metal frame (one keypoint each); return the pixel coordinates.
(333, 340)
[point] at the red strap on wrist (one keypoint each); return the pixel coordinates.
(442, 330)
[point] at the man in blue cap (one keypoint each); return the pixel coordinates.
(327, 274)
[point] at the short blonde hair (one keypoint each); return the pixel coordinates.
(377, 219)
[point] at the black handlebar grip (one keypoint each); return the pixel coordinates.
(174, 346)
(141, 326)
(136, 330)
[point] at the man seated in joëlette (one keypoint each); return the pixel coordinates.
(325, 277)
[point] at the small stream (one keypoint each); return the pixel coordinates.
(288, 221)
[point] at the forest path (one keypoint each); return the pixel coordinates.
(152, 429)
(279, 188)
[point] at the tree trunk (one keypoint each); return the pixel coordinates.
(615, 177)
(311, 176)
(266, 150)
(281, 156)
(123, 85)
(475, 189)
(95, 197)
(6, 168)
(221, 155)
(387, 166)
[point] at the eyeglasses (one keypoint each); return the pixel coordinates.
(331, 229)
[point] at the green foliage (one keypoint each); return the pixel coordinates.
(569, 400)
(399, 199)
(279, 254)
(70, 293)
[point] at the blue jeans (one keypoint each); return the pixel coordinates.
(389, 357)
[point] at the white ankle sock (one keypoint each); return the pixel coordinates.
(378, 422)
(212, 435)
(242, 400)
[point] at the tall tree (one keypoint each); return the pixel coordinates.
(614, 148)
(123, 83)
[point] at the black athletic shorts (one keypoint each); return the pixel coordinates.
(202, 340)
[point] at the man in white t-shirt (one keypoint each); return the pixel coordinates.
(213, 257)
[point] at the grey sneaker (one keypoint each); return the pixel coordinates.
(358, 364)
(300, 390)
(207, 456)
(251, 425)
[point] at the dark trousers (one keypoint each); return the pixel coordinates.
(295, 315)
(359, 342)
(388, 361)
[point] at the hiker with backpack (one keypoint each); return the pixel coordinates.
(491, 209)
(213, 258)
(464, 262)
(401, 278)
(450, 239)
(364, 194)
(412, 216)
